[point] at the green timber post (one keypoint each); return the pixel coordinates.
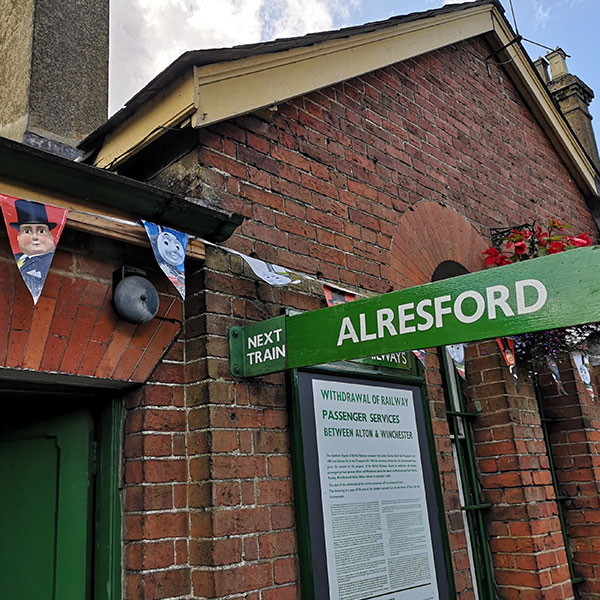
(107, 567)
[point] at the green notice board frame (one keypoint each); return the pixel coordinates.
(309, 500)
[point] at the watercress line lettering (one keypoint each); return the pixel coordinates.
(468, 307)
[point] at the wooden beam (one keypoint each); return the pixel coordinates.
(91, 219)
(229, 89)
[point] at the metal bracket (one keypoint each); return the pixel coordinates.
(519, 38)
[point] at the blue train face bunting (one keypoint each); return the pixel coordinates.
(169, 246)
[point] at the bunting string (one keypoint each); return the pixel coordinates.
(248, 259)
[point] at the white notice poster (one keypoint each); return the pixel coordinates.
(377, 535)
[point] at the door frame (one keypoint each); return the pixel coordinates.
(104, 569)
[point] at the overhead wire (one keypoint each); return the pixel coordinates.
(512, 10)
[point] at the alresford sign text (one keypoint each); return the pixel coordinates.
(544, 293)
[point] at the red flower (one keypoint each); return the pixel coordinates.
(517, 236)
(537, 241)
(495, 257)
(556, 247)
(520, 248)
(580, 241)
(541, 235)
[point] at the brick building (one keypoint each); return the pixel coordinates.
(373, 158)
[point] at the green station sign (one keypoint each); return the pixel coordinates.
(545, 293)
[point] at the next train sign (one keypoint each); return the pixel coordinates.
(544, 293)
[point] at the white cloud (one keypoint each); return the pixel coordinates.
(147, 35)
(542, 13)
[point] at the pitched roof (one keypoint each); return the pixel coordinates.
(202, 58)
(22, 164)
(207, 86)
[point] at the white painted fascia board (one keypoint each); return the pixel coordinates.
(227, 90)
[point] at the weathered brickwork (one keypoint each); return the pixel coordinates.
(333, 184)
(523, 525)
(155, 479)
(241, 510)
(73, 329)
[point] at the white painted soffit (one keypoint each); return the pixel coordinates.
(227, 89)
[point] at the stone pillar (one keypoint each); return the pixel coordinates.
(573, 422)
(526, 542)
(573, 97)
(541, 66)
(54, 72)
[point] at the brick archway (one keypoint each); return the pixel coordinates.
(428, 235)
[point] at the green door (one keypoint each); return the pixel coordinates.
(45, 504)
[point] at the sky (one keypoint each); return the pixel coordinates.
(147, 35)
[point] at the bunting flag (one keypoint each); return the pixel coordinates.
(33, 231)
(169, 246)
(582, 362)
(420, 354)
(555, 371)
(335, 295)
(507, 347)
(272, 274)
(457, 353)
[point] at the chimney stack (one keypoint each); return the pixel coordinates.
(54, 71)
(573, 97)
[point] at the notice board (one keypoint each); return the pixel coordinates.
(368, 511)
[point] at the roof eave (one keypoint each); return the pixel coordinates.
(201, 77)
(200, 58)
(22, 163)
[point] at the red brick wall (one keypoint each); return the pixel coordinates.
(325, 184)
(155, 480)
(241, 513)
(73, 329)
(527, 545)
(431, 234)
(573, 426)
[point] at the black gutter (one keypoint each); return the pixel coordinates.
(31, 166)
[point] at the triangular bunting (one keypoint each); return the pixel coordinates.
(507, 347)
(271, 273)
(33, 231)
(582, 362)
(420, 354)
(555, 371)
(457, 353)
(334, 296)
(169, 247)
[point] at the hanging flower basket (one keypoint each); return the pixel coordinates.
(531, 241)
